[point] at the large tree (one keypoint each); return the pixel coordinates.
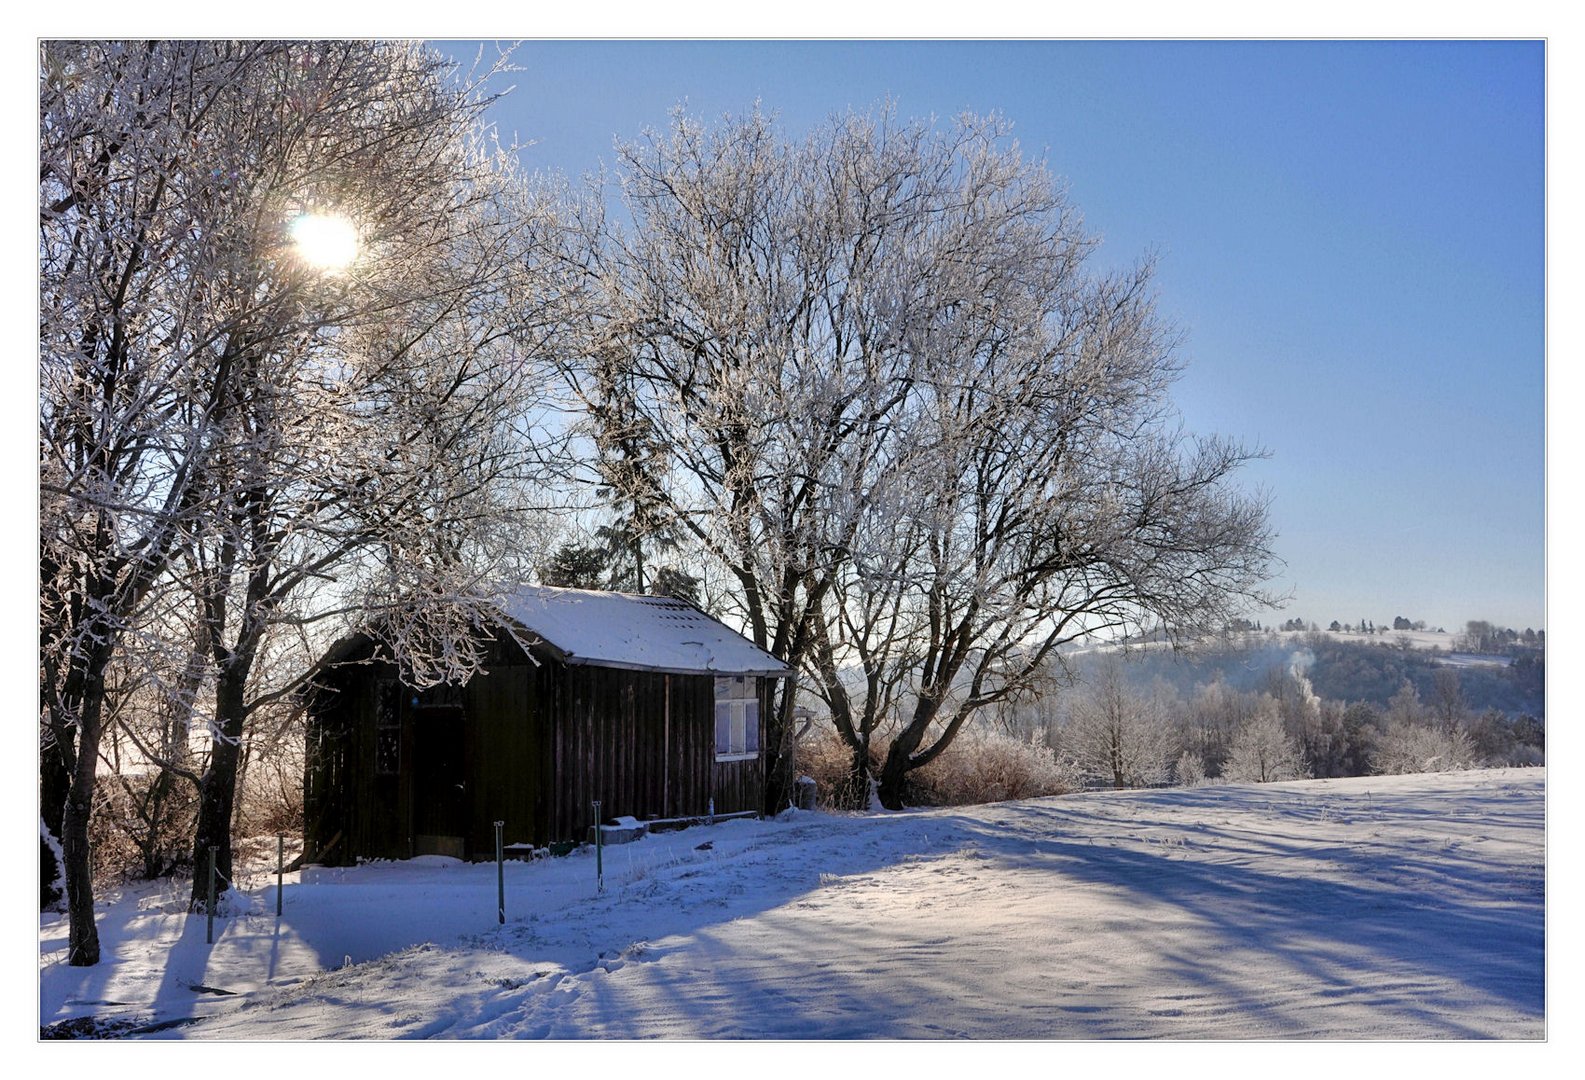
(884, 390)
(753, 344)
(225, 411)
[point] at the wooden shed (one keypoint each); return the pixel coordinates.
(642, 702)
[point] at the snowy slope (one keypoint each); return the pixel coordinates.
(1372, 908)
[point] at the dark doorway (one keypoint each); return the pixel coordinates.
(440, 807)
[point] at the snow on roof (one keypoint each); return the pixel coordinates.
(645, 633)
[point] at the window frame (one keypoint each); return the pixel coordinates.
(387, 728)
(739, 695)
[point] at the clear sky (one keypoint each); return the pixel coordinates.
(1351, 234)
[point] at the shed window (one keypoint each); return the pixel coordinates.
(387, 728)
(736, 718)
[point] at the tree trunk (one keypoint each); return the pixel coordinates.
(854, 794)
(55, 782)
(217, 789)
(82, 944)
(893, 773)
(900, 760)
(153, 853)
(899, 763)
(779, 740)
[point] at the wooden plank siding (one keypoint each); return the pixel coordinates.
(640, 742)
(329, 781)
(539, 742)
(508, 714)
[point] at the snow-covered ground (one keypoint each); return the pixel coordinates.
(1418, 640)
(1394, 639)
(1373, 908)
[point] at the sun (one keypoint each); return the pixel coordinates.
(327, 242)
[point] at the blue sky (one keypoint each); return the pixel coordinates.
(1351, 235)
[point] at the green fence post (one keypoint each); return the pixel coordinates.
(500, 875)
(599, 851)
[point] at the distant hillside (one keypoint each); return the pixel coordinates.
(1345, 668)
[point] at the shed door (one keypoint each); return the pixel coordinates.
(440, 797)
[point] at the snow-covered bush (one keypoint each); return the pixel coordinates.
(989, 766)
(980, 766)
(52, 875)
(142, 825)
(1418, 748)
(1528, 757)
(1263, 752)
(1189, 771)
(824, 757)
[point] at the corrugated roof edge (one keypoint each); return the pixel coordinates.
(780, 672)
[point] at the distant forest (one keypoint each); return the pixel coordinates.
(1348, 671)
(1265, 705)
(1255, 707)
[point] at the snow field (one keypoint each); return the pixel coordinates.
(1373, 908)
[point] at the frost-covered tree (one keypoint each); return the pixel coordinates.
(1421, 747)
(1117, 733)
(1404, 708)
(1361, 728)
(285, 430)
(149, 760)
(1416, 739)
(1211, 718)
(1448, 706)
(1263, 752)
(1480, 636)
(877, 382)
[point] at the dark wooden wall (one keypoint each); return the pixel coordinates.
(539, 741)
(509, 713)
(640, 742)
(330, 779)
(350, 810)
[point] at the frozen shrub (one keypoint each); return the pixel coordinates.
(988, 766)
(980, 766)
(1189, 770)
(823, 756)
(1524, 757)
(142, 825)
(1418, 748)
(270, 791)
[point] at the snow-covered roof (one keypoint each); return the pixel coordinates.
(644, 633)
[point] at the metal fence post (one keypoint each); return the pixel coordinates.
(280, 870)
(500, 875)
(599, 851)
